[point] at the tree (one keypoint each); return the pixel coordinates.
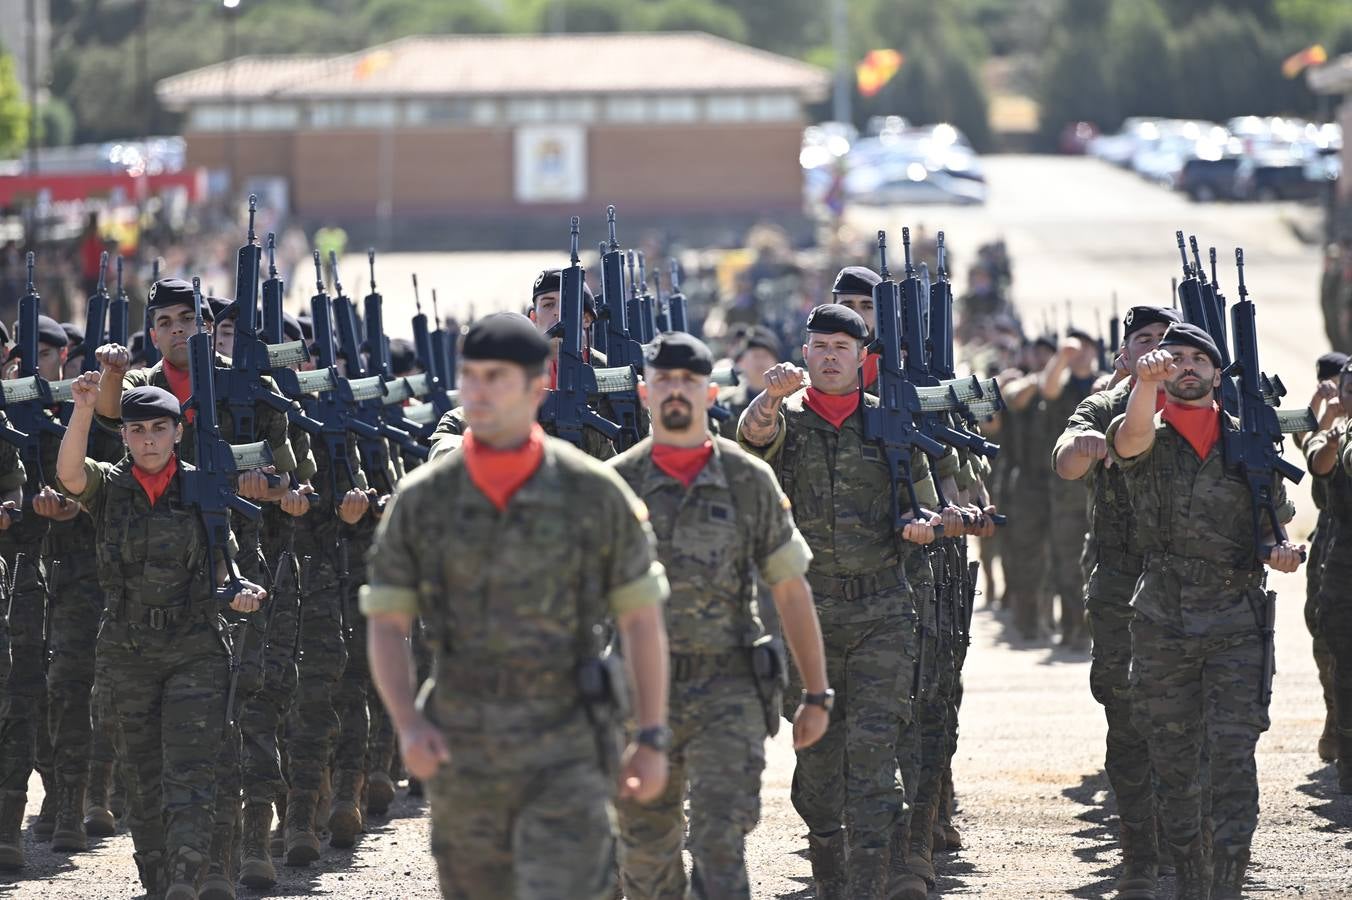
(13, 110)
(696, 15)
(1076, 86)
(1141, 65)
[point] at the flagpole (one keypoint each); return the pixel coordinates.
(844, 88)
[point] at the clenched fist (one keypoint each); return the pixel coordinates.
(114, 358)
(1156, 366)
(783, 380)
(1090, 445)
(1286, 557)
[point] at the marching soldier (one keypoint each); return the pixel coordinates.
(159, 646)
(1081, 453)
(719, 516)
(1198, 647)
(12, 800)
(809, 427)
(1329, 454)
(545, 312)
(756, 354)
(515, 550)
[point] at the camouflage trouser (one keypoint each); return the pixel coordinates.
(261, 717)
(1335, 621)
(1314, 570)
(1196, 692)
(1065, 577)
(352, 699)
(169, 693)
(23, 725)
(849, 777)
(718, 751)
(312, 724)
(1025, 557)
(1127, 761)
(77, 605)
(536, 833)
(920, 574)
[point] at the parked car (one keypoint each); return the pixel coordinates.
(1205, 180)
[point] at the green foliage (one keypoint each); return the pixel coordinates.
(696, 15)
(13, 110)
(56, 123)
(1141, 63)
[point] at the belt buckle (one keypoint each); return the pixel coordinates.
(157, 618)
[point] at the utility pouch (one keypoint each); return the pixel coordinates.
(770, 670)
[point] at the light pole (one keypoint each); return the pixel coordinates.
(231, 7)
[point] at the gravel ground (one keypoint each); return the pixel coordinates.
(1035, 811)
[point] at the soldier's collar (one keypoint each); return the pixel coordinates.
(712, 474)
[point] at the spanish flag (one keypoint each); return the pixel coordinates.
(1314, 55)
(876, 70)
(372, 63)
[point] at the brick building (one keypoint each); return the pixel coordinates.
(434, 141)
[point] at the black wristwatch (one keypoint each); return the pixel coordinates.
(658, 737)
(826, 699)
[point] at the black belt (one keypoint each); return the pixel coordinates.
(856, 587)
(689, 666)
(1120, 560)
(1196, 570)
(157, 618)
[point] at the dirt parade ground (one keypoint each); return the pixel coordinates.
(1035, 811)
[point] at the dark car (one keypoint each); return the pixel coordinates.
(1205, 180)
(1281, 182)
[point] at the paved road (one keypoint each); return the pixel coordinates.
(1028, 770)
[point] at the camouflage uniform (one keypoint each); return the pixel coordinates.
(1314, 572)
(1024, 552)
(13, 793)
(1335, 593)
(1069, 519)
(735, 400)
(841, 494)
(595, 444)
(512, 601)
(732, 521)
(160, 650)
(1197, 648)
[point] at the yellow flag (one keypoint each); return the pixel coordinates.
(876, 70)
(1296, 63)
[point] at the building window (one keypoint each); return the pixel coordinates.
(675, 108)
(209, 118)
(271, 116)
(374, 113)
(777, 108)
(575, 109)
(484, 112)
(529, 109)
(329, 114)
(436, 112)
(627, 109)
(728, 108)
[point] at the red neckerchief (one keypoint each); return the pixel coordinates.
(834, 408)
(500, 473)
(870, 370)
(1199, 425)
(682, 463)
(180, 385)
(157, 483)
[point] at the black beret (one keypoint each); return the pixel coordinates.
(761, 337)
(403, 358)
(551, 281)
(1044, 340)
(856, 280)
(1329, 365)
(74, 333)
(175, 292)
(832, 318)
(50, 332)
(678, 350)
(1080, 333)
(149, 402)
(221, 309)
(1188, 335)
(292, 330)
(1139, 317)
(307, 327)
(506, 336)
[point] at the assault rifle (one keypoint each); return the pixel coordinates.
(118, 311)
(209, 485)
(25, 399)
(1258, 445)
(148, 348)
(640, 313)
(445, 346)
(1114, 335)
(676, 302)
(661, 311)
(432, 384)
(612, 338)
(95, 315)
(566, 406)
(891, 424)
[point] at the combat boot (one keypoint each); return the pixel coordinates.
(867, 875)
(1328, 741)
(345, 819)
(219, 883)
(256, 869)
(117, 799)
(12, 805)
(68, 835)
(379, 793)
(99, 820)
(902, 883)
(45, 823)
(415, 788)
(920, 853)
(1140, 862)
(947, 806)
(1193, 869)
(1344, 774)
(182, 874)
(277, 845)
(302, 844)
(150, 868)
(827, 856)
(1227, 882)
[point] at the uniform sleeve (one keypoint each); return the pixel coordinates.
(275, 429)
(95, 475)
(1346, 454)
(923, 481)
(1117, 458)
(1315, 444)
(598, 446)
(448, 434)
(1090, 415)
(769, 452)
(949, 465)
(781, 552)
(12, 474)
(392, 562)
(306, 466)
(633, 577)
(132, 378)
